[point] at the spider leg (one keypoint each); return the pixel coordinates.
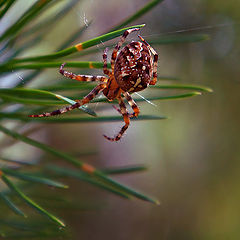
(126, 120)
(81, 78)
(78, 103)
(115, 50)
(105, 70)
(132, 103)
(118, 109)
(155, 60)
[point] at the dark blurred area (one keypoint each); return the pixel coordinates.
(193, 157)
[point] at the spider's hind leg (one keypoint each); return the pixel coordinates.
(126, 120)
(81, 78)
(133, 105)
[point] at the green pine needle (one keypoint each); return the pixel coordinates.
(29, 201)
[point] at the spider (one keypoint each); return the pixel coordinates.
(132, 70)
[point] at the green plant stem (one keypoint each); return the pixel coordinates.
(32, 178)
(32, 12)
(8, 5)
(30, 201)
(73, 119)
(41, 65)
(47, 23)
(11, 205)
(78, 47)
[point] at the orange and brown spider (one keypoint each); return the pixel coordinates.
(132, 70)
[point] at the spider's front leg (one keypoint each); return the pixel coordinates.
(105, 69)
(119, 44)
(126, 119)
(81, 78)
(78, 103)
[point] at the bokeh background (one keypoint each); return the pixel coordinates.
(192, 157)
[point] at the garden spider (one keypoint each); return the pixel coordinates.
(132, 70)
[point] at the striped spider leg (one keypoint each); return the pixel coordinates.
(125, 114)
(133, 105)
(81, 78)
(126, 119)
(78, 103)
(86, 99)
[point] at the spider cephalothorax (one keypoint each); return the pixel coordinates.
(132, 70)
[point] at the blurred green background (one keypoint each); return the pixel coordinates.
(193, 157)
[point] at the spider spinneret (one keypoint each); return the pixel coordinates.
(132, 70)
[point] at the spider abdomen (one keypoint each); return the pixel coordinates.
(133, 68)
